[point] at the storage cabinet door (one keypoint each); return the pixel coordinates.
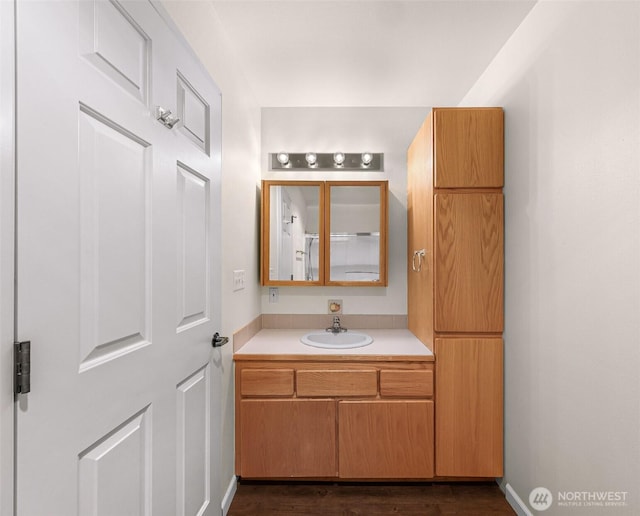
(420, 233)
(468, 148)
(469, 262)
(288, 438)
(469, 407)
(385, 439)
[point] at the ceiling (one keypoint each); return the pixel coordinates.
(366, 53)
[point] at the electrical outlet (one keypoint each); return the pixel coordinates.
(335, 306)
(273, 294)
(238, 280)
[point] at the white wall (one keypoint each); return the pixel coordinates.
(240, 189)
(387, 130)
(569, 80)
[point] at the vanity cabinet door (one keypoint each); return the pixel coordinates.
(420, 233)
(288, 438)
(469, 407)
(469, 262)
(385, 439)
(468, 147)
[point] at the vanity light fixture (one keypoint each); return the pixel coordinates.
(327, 161)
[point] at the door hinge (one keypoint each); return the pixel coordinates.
(22, 360)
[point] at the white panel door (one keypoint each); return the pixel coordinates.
(118, 255)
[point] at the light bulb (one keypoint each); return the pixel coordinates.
(283, 158)
(366, 158)
(312, 159)
(338, 158)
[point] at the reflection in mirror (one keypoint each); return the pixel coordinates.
(355, 234)
(294, 232)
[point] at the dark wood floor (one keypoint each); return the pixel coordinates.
(328, 499)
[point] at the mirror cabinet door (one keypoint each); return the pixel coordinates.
(357, 233)
(292, 231)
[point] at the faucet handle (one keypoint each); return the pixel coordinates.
(336, 327)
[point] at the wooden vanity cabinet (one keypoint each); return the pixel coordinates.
(342, 420)
(456, 277)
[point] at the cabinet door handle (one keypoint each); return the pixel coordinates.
(419, 254)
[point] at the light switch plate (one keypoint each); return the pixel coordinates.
(273, 294)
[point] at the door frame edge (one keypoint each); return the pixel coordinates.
(7, 253)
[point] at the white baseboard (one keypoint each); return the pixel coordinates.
(229, 494)
(516, 502)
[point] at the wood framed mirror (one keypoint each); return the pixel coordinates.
(356, 233)
(324, 233)
(292, 229)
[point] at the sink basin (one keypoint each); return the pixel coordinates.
(344, 340)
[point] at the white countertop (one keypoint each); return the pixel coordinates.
(386, 343)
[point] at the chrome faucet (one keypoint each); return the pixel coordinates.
(336, 327)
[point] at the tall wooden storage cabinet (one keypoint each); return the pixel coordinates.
(456, 278)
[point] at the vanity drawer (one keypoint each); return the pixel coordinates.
(406, 384)
(337, 382)
(266, 382)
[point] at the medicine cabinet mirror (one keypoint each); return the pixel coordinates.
(324, 233)
(291, 228)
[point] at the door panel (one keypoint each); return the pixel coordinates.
(420, 235)
(469, 407)
(271, 440)
(386, 439)
(193, 111)
(115, 269)
(469, 262)
(194, 436)
(468, 148)
(114, 474)
(193, 247)
(115, 44)
(118, 266)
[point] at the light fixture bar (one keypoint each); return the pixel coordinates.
(369, 161)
